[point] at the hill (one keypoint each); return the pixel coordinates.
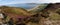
(14, 10)
(38, 8)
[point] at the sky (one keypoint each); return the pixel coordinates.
(6, 2)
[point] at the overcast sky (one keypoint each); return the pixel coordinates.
(5, 2)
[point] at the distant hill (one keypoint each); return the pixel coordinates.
(38, 8)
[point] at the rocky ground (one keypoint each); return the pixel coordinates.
(50, 22)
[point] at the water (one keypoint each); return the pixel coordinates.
(24, 5)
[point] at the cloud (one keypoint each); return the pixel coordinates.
(49, 1)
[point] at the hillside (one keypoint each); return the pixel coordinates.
(49, 13)
(38, 8)
(14, 10)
